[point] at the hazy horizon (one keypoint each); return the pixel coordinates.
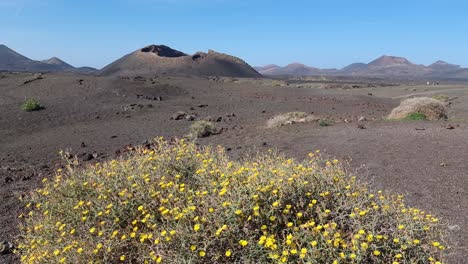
(324, 34)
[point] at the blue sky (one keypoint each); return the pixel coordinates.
(321, 33)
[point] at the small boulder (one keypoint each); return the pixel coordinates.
(179, 115)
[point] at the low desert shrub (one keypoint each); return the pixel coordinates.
(441, 97)
(431, 108)
(178, 203)
(415, 116)
(325, 122)
(31, 105)
(290, 118)
(202, 128)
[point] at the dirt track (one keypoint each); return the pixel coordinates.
(428, 165)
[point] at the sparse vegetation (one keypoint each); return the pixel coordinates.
(202, 128)
(415, 116)
(432, 109)
(290, 118)
(31, 105)
(177, 203)
(325, 122)
(442, 98)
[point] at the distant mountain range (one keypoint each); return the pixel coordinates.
(385, 66)
(10, 60)
(160, 59)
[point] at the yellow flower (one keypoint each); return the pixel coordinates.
(376, 252)
(196, 227)
(202, 253)
(313, 243)
(228, 253)
(193, 247)
(122, 258)
(243, 243)
(352, 256)
(398, 256)
(140, 208)
(79, 250)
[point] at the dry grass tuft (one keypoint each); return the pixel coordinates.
(290, 118)
(178, 203)
(431, 108)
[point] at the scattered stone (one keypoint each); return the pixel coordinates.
(443, 164)
(8, 180)
(420, 128)
(370, 94)
(153, 98)
(361, 119)
(263, 111)
(83, 145)
(264, 144)
(179, 115)
(228, 149)
(202, 105)
(88, 157)
(114, 136)
(28, 177)
(361, 126)
(219, 119)
(231, 115)
(190, 117)
(454, 228)
(6, 247)
(449, 126)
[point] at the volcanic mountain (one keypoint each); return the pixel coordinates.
(384, 66)
(10, 60)
(160, 59)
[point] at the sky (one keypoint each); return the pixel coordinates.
(320, 33)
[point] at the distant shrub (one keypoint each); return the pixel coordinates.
(31, 105)
(324, 123)
(431, 108)
(416, 116)
(178, 203)
(202, 128)
(290, 118)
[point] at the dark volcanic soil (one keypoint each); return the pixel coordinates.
(98, 115)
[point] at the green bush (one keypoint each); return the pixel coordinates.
(415, 116)
(31, 105)
(201, 129)
(178, 203)
(324, 123)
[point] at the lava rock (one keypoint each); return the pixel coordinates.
(179, 115)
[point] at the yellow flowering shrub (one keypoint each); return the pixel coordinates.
(178, 203)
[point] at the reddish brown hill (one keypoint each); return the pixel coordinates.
(160, 59)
